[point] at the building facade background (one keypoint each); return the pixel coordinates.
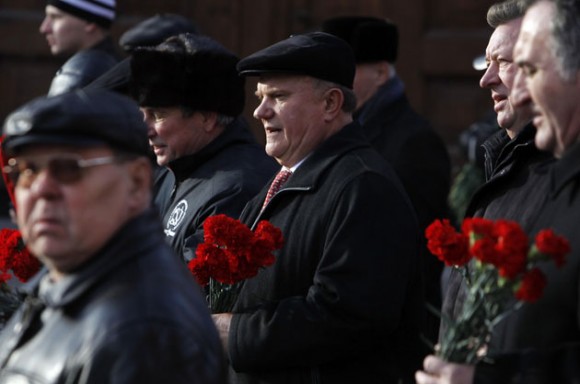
(438, 41)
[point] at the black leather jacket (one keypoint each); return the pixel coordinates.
(133, 314)
(84, 67)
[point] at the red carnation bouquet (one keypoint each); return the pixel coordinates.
(231, 253)
(501, 272)
(15, 260)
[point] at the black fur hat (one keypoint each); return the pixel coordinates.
(190, 71)
(371, 39)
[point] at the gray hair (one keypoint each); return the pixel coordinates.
(505, 11)
(349, 104)
(565, 28)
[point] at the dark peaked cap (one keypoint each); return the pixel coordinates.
(154, 30)
(79, 118)
(314, 54)
(370, 38)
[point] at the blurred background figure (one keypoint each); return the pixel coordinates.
(148, 33)
(404, 138)
(79, 31)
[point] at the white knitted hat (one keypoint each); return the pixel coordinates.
(101, 12)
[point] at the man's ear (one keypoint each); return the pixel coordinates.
(333, 101)
(91, 27)
(209, 120)
(383, 69)
(141, 179)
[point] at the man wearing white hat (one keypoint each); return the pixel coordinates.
(79, 30)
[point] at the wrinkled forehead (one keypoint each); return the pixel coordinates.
(503, 39)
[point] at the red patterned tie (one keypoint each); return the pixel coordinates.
(279, 180)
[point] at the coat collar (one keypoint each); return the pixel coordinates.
(234, 133)
(308, 176)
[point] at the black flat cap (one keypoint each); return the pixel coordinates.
(314, 54)
(371, 38)
(154, 30)
(188, 70)
(80, 118)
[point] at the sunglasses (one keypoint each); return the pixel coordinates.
(66, 169)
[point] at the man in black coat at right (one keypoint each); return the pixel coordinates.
(404, 138)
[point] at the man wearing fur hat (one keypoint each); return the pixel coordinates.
(79, 30)
(404, 138)
(191, 97)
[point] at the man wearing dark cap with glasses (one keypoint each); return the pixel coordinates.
(341, 302)
(113, 303)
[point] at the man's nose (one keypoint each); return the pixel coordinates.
(520, 94)
(490, 76)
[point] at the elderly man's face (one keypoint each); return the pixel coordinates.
(499, 76)
(65, 221)
(64, 33)
(556, 112)
(173, 135)
(291, 110)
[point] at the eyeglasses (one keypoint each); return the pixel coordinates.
(66, 169)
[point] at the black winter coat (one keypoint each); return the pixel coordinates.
(516, 189)
(132, 314)
(220, 178)
(420, 159)
(540, 343)
(341, 302)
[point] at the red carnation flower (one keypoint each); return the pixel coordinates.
(484, 250)
(478, 226)
(446, 244)
(15, 257)
(531, 286)
(556, 247)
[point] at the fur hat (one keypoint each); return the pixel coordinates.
(315, 54)
(101, 12)
(371, 39)
(190, 71)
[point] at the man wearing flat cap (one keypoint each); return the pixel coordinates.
(78, 30)
(113, 304)
(404, 138)
(341, 301)
(192, 97)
